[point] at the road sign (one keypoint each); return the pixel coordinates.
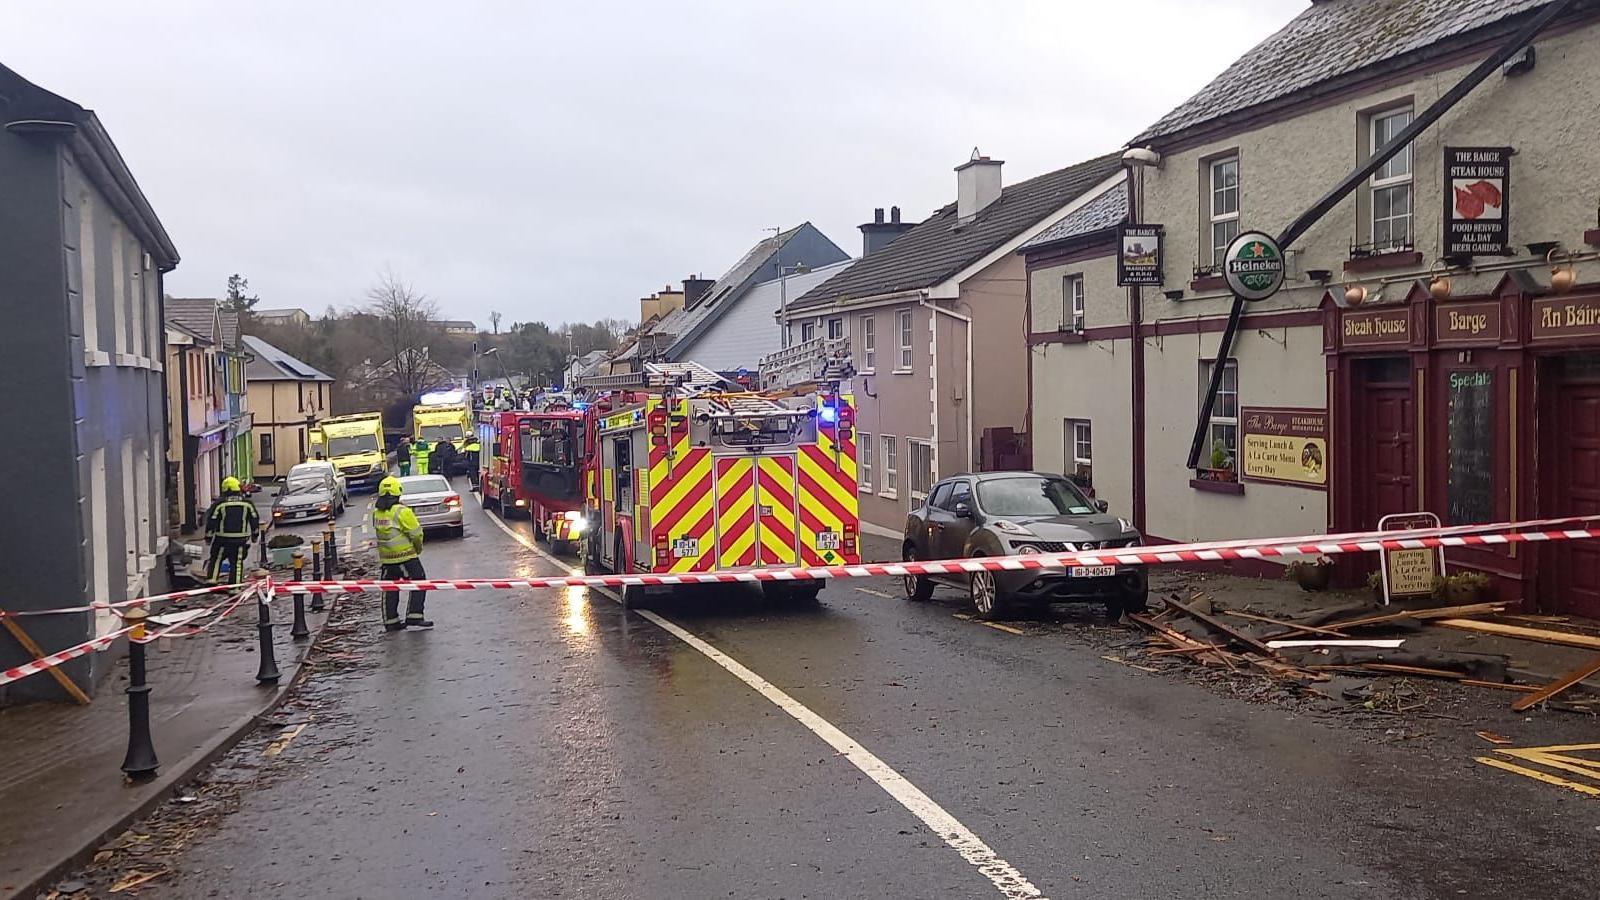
(1253, 266)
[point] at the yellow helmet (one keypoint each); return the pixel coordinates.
(230, 485)
(389, 486)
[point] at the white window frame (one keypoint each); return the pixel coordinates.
(890, 486)
(808, 331)
(119, 292)
(1398, 172)
(865, 448)
(88, 289)
(1073, 301)
(1080, 443)
(1221, 421)
(835, 327)
(869, 344)
(1217, 206)
(905, 331)
(919, 473)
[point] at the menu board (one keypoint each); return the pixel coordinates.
(1470, 481)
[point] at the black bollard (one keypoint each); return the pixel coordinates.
(298, 630)
(330, 554)
(262, 540)
(141, 762)
(316, 559)
(267, 673)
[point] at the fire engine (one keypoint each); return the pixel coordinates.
(686, 473)
(531, 463)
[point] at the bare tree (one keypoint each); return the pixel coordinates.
(406, 323)
(494, 322)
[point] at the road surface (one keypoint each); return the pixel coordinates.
(551, 744)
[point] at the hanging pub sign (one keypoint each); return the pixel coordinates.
(1253, 266)
(1139, 255)
(1477, 201)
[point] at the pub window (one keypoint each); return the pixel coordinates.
(1080, 455)
(1224, 430)
(1223, 205)
(1072, 295)
(1391, 184)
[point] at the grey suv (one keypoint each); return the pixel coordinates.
(1008, 513)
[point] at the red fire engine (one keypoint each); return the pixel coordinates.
(532, 464)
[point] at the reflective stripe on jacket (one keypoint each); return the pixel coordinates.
(232, 517)
(399, 534)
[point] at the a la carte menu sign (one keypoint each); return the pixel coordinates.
(1477, 201)
(1285, 446)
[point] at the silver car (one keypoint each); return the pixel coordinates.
(435, 502)
(307, 496)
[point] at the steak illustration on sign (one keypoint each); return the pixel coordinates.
(1476, 198)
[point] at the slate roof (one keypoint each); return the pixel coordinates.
(935, 249)
(1333, 40)
(230, 327)
(271, 364)
(1105, 211)
(687, 322)
(197, 314)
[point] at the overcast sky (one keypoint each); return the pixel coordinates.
(557, 160)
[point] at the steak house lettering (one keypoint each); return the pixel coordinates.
(1375, 327)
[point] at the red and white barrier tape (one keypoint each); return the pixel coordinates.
(55, 659)
(121, 604)
(1331, 545)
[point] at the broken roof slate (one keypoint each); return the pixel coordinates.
(935, 249)
(197, 314)
(1331, 39)
(1108, 210)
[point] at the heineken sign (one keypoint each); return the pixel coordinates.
(1253, 266)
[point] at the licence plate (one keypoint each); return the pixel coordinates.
(827, 540)
(682, 548)
(426, 509)
(1091, 571)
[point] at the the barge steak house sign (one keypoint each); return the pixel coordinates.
(1477, 202)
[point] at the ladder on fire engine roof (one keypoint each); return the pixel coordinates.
(748, 406)
(687, 379)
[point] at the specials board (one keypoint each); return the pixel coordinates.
(1283, 445)
(1470, 453)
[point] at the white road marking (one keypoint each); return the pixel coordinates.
(874, 593)
(1011, 883)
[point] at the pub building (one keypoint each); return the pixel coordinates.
(1435, 344)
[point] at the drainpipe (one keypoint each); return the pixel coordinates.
(966, 401)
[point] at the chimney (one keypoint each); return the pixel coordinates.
(648, 306)
(977, 185)
(877, 234)
(695, 287)
(669, 299)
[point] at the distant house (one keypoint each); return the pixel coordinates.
(82, 257)
(208, 417)
(287, 397)
(292, 315)
(459, 328)
(580, 367)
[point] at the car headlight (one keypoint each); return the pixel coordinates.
(1026, 549)
(1010, 527)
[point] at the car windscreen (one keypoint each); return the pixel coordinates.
(435, 433)
(1032, 497)
(430, 485)
(353, 444)
(304, 486)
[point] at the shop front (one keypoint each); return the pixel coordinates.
(1478, 409)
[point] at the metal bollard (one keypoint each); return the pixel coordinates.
(267, 673)
(298, 630)
(316, 558)
(330, 554)
(141, 762)
(262, 540)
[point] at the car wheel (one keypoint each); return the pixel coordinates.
(591, 558)
(632, 596)
(1135, 601)
(560, 548)
(917, 588)
(987, 598)
(458, 531)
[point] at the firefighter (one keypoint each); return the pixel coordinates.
(400, 553)
(230, 524)
(470, 450)
(419, 457)
(402, 455)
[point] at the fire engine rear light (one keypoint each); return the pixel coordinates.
(522, 502)
(663, 550)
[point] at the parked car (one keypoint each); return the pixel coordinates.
(435, 502)
(312, 466)
(1009, 513)
(308, 495)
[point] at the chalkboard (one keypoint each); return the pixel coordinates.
(1471, 450)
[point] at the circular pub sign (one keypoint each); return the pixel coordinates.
(1253, 266)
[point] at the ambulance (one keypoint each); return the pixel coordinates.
(354, 444)
(687, 472)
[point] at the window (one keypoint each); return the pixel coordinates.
(903, 320)
(921, 471)
(1224, 416)
(1072, 303)
(941, 496)
(1391, 184)
(864, 453)
(86, 290)
(1224, 206)
(808, 331)
(1080, 451)
(119, 292)
(891, 468)
(835, 328)
(961, 493)
(869, 344)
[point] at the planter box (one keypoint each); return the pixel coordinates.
(284, 556)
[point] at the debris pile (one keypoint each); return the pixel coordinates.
(1301, 655)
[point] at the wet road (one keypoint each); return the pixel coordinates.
(553, 745)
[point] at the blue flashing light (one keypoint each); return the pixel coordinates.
(580, 405)
(829, 413)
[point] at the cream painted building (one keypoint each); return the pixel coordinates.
(287, 397)
(1426, 397)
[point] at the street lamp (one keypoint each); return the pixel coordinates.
(495, 352)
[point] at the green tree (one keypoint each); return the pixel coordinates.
(239, 299)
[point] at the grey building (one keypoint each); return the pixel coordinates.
(82, 256)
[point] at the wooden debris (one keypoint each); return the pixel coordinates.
(1498, 685)
(1295, 629)
(1443, 612)
(1382, 644)
(1393, 669)
(1494, 738)
(1210, 621)
(1560, 684)
(1541, 635)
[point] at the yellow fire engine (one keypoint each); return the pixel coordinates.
(688, 474)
